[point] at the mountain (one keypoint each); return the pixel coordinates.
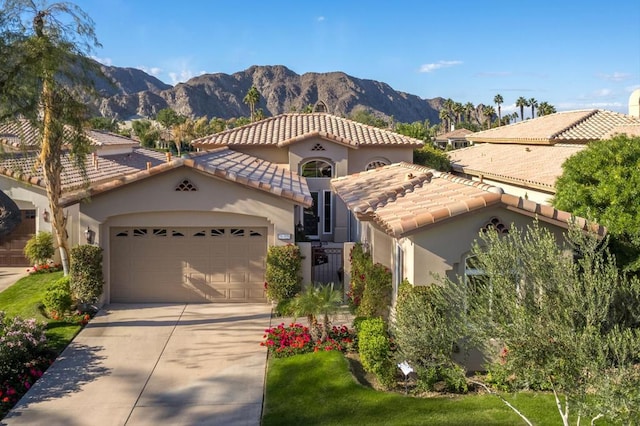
(135, 93)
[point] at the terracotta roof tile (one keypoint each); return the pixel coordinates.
(285, 129)
(382, 195)
(562, 127)
(22, 134)
(532, 165)
(631, 130)
(455, 134)
(434, 198)
(116, 170)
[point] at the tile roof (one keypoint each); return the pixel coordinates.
(562, 127)
(110, 172)
(286, 129)
(535, 166)
(22, 134)
(402, 198)
(631, 130)
(455, 134)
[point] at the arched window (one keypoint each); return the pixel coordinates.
(376, 163)
(316, 169)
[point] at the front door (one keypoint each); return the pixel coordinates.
(311, 218)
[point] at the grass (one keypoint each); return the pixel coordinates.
(319, 389)
(24, 299)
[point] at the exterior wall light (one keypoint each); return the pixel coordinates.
(89, 234)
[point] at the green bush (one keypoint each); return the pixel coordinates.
(432, 157)
(86, 273)
(283, 272)
(428, 325)
(360, 263)
(376, 297)
(39, 249)
(375, 351)
(57, 299)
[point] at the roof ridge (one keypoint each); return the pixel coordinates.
(574, 124)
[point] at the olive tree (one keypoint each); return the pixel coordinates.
(556, 309)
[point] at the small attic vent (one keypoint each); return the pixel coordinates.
(317, 147)
(186, 185)
(495, 223)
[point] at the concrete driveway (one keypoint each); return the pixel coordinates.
(9, 275)
(178, 364)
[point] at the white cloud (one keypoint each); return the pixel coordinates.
(103, 61)
(438, 65)
(181, 76)
(602, 93)
(154, 71)
(320, 18)
(616, 76)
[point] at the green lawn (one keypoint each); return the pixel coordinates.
(319, 389)
(24, 299)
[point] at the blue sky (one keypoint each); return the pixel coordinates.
(572, 54)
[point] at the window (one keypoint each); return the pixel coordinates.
(326, 224)
(316, 169)
(376, 164)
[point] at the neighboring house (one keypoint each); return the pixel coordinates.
(455, 139)
(421, 223)
(197, 228)
(525, 158)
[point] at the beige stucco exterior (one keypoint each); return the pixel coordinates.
(155, 202)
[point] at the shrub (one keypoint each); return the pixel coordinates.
(376, 297)
(283, 272)
(39, 249)
(86, 273)
(21, 341)
(375, 351)
(428, 325)
(57, 299)
(360, 262)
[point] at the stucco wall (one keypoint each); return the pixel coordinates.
(359, 158)
(35, 197)
(157, 198)
(441, 249)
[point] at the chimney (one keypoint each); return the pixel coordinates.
(95, 160)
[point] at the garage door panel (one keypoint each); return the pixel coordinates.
(188, 264)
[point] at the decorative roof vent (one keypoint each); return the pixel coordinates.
(186, 185)
(317, 147)
(495, 223)
(320, 106)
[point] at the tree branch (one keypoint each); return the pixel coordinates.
(503, 400)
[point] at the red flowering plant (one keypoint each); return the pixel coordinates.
(284, 341)
(45, 268)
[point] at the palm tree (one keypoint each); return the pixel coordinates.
(514, 116)
(314, 301)
(10, 215)
(458, 109)
(544, 108)
(533, 104)
(252, 98)
(522, 102)
(444, 119)
(497, 99)
(468, 109)
(488, 112)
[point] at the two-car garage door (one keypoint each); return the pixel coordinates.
(187, 264)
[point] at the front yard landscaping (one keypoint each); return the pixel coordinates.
(319, 389)
(25, 353)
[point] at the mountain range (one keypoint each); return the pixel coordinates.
(127, 93)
